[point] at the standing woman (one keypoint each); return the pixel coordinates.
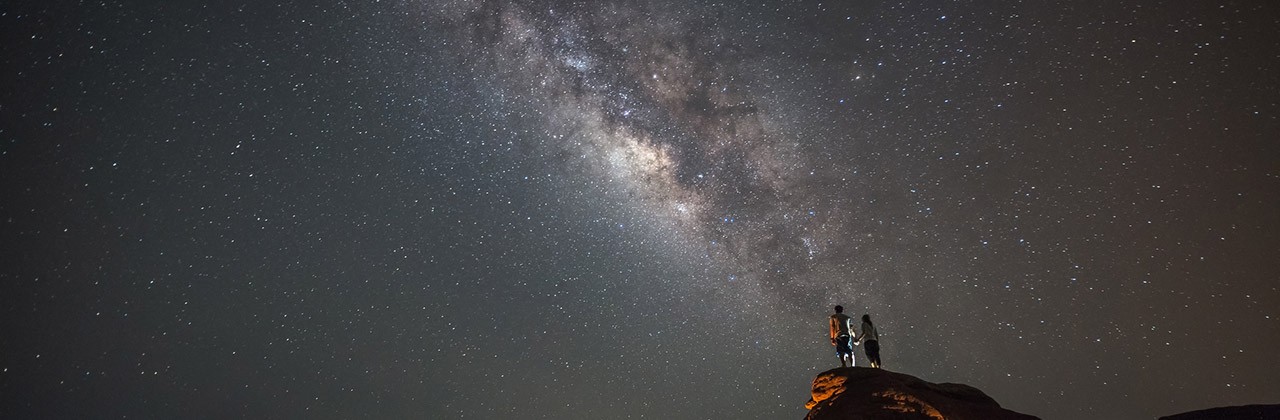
(871, 341)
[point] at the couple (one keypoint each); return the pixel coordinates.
(844, 338)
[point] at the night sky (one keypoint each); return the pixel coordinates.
(630, 209)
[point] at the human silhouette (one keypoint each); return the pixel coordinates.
(870, 340)
(842, 334)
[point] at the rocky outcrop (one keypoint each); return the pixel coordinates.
(866, 393)
(1249, 412)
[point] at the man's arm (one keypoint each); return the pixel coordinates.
(834, 329)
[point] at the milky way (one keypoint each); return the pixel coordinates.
(528, 209)
(665, 107)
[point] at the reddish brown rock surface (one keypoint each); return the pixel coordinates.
(866, 393)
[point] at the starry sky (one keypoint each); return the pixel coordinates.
(633, 209)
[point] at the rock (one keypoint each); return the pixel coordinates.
(1244, 412)
(866, 393)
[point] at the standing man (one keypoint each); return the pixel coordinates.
(842, 336)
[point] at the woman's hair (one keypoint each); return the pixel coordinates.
(866, 318)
